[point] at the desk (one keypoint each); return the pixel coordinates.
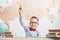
(26, 39)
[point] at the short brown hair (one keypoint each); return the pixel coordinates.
(34, 17)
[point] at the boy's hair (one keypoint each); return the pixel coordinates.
(34, 17)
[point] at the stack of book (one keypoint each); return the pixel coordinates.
(8, 35)
(53, 33)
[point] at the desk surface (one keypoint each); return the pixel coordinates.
(27, 39)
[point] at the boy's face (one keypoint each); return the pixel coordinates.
(33, 22)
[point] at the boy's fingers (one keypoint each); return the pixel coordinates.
(20, 8)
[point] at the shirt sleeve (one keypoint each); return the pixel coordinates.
(22, 23)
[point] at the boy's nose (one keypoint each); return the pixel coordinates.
(33, 23)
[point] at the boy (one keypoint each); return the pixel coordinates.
(30, 30)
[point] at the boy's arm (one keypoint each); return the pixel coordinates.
(20, 18)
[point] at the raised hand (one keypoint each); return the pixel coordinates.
(20, 10)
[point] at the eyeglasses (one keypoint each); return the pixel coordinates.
(34, 22)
